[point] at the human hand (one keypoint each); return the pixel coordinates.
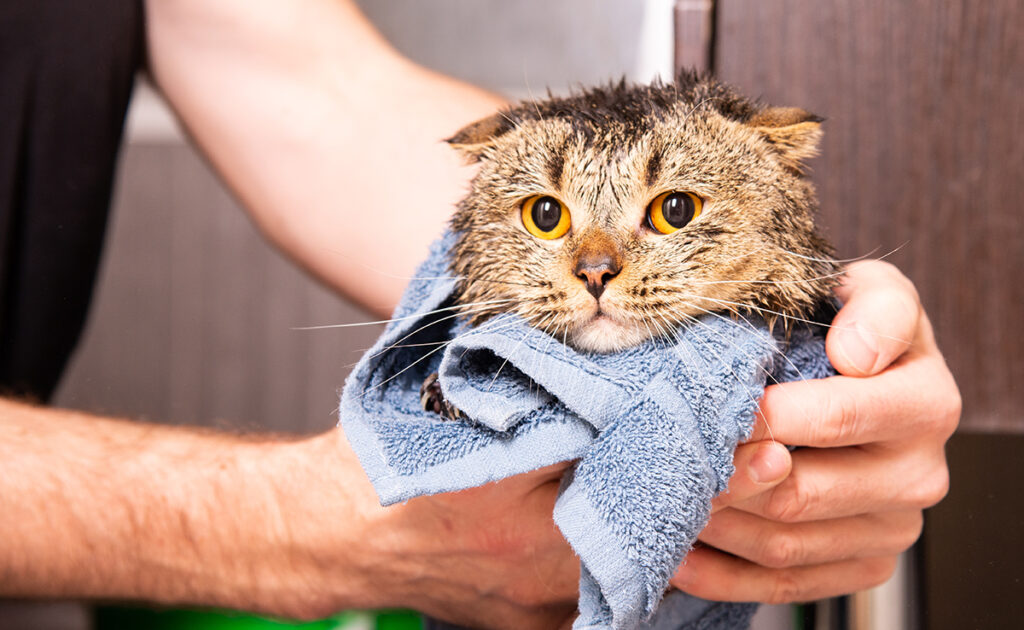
(488, 557)
(831, 518)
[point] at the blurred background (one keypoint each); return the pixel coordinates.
(194, 317)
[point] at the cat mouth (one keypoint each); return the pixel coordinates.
(604, 332)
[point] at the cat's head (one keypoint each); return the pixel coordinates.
(613, 215)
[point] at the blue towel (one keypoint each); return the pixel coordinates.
(653, 429)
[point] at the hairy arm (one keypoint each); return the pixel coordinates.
(331, 139)
(115, 509)
(102, 508)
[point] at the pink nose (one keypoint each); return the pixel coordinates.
(596, 271)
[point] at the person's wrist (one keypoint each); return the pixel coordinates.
(309, 556)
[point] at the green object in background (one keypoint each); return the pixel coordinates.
(123, 618)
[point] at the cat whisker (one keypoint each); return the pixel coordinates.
(507, 282)
(400, 319)
(433, 322)
(408, 367)
(753, 328)
(514, 348)
(761, 309)
(718, 263)
(398, 343)
(770, 282)
(810, 258)
(848, 260)
(692, 352)
(739, 381)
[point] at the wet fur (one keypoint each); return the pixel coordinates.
(606, 152)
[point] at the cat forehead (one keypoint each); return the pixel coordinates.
(562, 150)
(612, 127)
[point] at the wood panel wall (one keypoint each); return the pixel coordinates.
(923, 156)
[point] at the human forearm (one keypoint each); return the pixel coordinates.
(108, 509)
(330, 138)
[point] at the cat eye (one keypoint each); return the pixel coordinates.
(672, 210)
(545, 217)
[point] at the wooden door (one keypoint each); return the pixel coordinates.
(923, 153)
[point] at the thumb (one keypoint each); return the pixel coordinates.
(760, 466)
(877, 322)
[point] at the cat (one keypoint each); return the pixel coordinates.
(618, 213)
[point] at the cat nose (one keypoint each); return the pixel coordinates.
(596, 271)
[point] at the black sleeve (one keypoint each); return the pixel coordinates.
(66, 72)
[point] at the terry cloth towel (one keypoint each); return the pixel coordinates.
(653, 429)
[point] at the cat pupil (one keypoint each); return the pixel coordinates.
(678, 209)
(547, 212)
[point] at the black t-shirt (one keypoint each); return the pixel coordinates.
(66, 72)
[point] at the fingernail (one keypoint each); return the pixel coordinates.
(768, 464)
(860, 348)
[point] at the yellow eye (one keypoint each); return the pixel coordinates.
(545, 217)
(672, 210)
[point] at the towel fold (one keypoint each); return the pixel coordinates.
(653, 429)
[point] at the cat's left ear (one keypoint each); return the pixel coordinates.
(473, 139)
(794, 132)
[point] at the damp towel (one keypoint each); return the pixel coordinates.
(653, 429)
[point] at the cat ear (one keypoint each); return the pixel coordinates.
(794, 132)
(474, 138)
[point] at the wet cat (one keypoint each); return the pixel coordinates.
(618, 213)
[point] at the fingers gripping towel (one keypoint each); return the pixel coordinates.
(652, 429)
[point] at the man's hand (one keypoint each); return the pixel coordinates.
(832, 517)
(488, 557)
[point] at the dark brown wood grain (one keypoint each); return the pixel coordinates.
(694, 29)
(923, 156)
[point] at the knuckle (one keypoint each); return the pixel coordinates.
(781, 551)
(790, 502)
(786, 589)
(840, 424)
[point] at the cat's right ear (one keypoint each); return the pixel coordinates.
(473, 139)
(794, 132)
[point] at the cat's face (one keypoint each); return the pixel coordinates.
(614, 222)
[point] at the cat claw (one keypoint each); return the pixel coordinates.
(431, 399)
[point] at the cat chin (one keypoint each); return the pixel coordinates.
(603, 335)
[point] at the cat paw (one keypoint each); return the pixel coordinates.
(431, 399)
